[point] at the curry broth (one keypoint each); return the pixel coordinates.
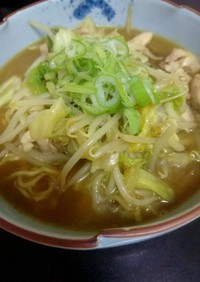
(74, 208)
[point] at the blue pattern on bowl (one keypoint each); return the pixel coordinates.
(86, 6)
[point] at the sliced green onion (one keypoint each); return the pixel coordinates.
(117, 46)
(143, 91)
(79, 89)
(128, 99)
(76, 49)
(131, 121)
(107, 93)
(86, 65)
(58, 61)
(96, 74)
(90, 105)
(62, 39)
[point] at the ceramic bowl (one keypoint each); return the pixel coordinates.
(179, 24)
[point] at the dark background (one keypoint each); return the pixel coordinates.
(174, 257)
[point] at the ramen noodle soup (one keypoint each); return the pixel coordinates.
(99, 127)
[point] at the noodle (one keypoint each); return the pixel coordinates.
(13, 130)
(160, 144)
(80, 174)
(82, 150)
(114, 146)
(137, 139)
(77, 124)
(26, 156)
(125, 194)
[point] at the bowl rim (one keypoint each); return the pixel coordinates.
(135, 233)
(181, 6)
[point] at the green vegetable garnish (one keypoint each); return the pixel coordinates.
(36, 79)
(94, 73)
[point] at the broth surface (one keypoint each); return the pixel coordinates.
(74, 208)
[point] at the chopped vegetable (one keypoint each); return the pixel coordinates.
(95, 73)
(146, 180)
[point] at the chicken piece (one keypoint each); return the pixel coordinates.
(187, 115)
(143, 39)
(44, 50)
(140, 42)
(180, 59)
(188, 119)
(87, 27)
(27, 141)
(195, 92)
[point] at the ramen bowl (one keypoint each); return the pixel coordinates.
(176, 23)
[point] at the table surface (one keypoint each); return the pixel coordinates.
(174, 257)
